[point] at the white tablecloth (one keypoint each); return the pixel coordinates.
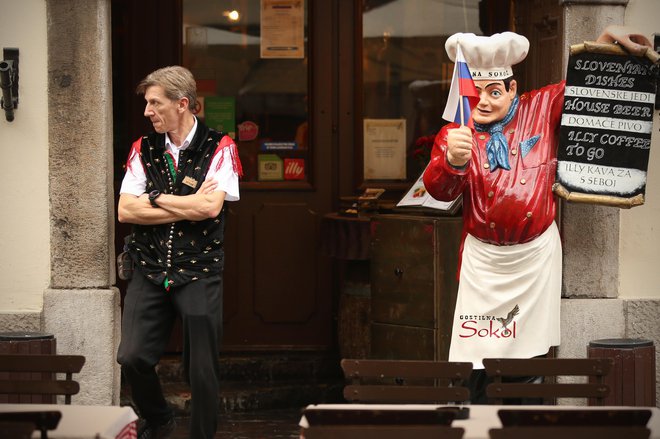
(482, 417)
(84, 421)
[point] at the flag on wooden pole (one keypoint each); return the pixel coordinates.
(463, 95)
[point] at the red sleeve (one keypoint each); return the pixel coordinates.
(228, 142)
(135, 150)
(443, 181)
(557, 102)
(551, 100)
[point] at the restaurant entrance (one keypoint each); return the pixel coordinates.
(303, 114)
(279, 109)
(264, 69)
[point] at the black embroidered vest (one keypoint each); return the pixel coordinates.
(183, 251)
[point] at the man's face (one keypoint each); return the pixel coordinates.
(163, 113)
(494, 101)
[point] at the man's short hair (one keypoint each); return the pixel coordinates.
(177, 82)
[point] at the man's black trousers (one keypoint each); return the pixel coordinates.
(149, 314)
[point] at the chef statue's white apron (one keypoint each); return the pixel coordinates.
(508, 300)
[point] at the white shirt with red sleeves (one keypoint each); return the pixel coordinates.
(135, 180)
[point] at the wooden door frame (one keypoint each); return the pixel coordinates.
(349, 92)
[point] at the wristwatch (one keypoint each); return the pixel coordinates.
(152, 198)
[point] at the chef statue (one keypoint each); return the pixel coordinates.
(510, 272)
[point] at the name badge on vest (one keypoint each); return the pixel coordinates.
(189, 181)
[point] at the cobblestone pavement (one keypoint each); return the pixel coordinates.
(265, 424)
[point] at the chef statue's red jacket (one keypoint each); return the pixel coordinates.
(504, 307)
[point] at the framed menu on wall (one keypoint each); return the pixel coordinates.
(606, 126)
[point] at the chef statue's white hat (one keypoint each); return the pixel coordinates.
(489, 57)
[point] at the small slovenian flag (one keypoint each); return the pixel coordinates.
(462, 89)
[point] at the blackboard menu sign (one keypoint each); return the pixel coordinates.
(606, 126)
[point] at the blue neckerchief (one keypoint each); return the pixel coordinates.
(497, 148)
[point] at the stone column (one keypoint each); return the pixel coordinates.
(591, 236)
(590, 233)
(81, 306)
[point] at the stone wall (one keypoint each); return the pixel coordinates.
(81, 307)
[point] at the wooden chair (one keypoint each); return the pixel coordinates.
(39, 420)
(552, 432)
(380, 422)
(21, 370)
(16, 430)
(405, 381)
(572, 423)
(594, 368)
(383, 432)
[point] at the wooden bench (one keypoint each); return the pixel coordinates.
(16, 430)
(566, 432)
(378, 422)
(383, 432)
(405, 381)
(20, 379)
(18, 422)
(595, 369)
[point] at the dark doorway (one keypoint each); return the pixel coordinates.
(278, 285)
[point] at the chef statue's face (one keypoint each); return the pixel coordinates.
(494, 100)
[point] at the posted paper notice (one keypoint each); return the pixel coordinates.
(384, 149)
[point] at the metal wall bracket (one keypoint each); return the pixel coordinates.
(656, 47)
(9, 82)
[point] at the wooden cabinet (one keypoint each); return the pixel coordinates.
(413, 285)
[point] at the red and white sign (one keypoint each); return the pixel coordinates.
(247, 131)
(294, 169)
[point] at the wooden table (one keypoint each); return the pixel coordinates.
(84, 421)
(482, 417)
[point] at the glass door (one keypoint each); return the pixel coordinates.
(250, 59)
(264, 71)
(404, 76)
